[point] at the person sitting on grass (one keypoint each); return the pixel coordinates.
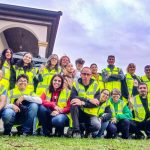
(121, 121)
(83, 92)
(55, 108)
(4, 112)
(104, 112)
(140, 106)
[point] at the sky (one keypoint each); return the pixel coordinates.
(94, 29)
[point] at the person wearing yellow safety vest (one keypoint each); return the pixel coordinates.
(24, 106)
(26, 66)
(112, 75)
(47, 72)
(82, 110)
(121, 121)
(146, 77)
(97, 76)
(132, 80)
(140, 106)
(55, 108)
(104, 112)
(6, 66)
(4, 112)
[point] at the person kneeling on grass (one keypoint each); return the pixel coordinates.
(121, 121)
(55, 108)
(24, 106)
(82, 110)
(104, 112)
(4, 112)
(140, 106)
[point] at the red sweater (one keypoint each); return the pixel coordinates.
(53, 102)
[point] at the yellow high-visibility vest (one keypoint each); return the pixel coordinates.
(31, 74)
(102, 108)
(112, 84)
(99, 81)
(138, 108)
(16, 93)
(6, 74)
(62, 101)
(88, 94)
(47, 76)
(146, 80)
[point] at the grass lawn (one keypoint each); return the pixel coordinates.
(45, 143)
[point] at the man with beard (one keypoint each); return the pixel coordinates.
(140, 105)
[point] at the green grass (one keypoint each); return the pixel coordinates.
(45, 143)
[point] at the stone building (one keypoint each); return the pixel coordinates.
(28, 29)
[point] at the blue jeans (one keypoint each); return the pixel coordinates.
(27, 118)
(44, 119)
(48, 121)
(60, 121)
(101, 131)
(8, 116)
(121, 126)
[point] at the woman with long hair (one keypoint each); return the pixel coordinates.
(47, 72)
(26, 66)
(6, 66)
(104, 112)
(69, 76)
(55, 107)
(132, 80)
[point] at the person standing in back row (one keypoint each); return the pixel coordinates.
(146, 77)
(112, 75)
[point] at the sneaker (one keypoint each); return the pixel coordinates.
(88, 135)
(140, 135)
(76, 134)
(69, 133)
(8, 133)
(24, 134)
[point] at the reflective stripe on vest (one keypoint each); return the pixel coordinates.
(16, 93)
(63, 97)
(130, 83)
(47, 76)
(147, 81)
(100, 81)
(138, 108)
(2, 88)
(88, 94)
(6, 71)
(112, 84)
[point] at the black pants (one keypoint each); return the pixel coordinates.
(136, 127)
(91, 122)
(121, 126)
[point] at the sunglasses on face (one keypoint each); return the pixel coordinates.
(148, 69)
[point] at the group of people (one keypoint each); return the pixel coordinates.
(55, 95)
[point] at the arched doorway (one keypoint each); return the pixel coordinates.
(20, 39)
